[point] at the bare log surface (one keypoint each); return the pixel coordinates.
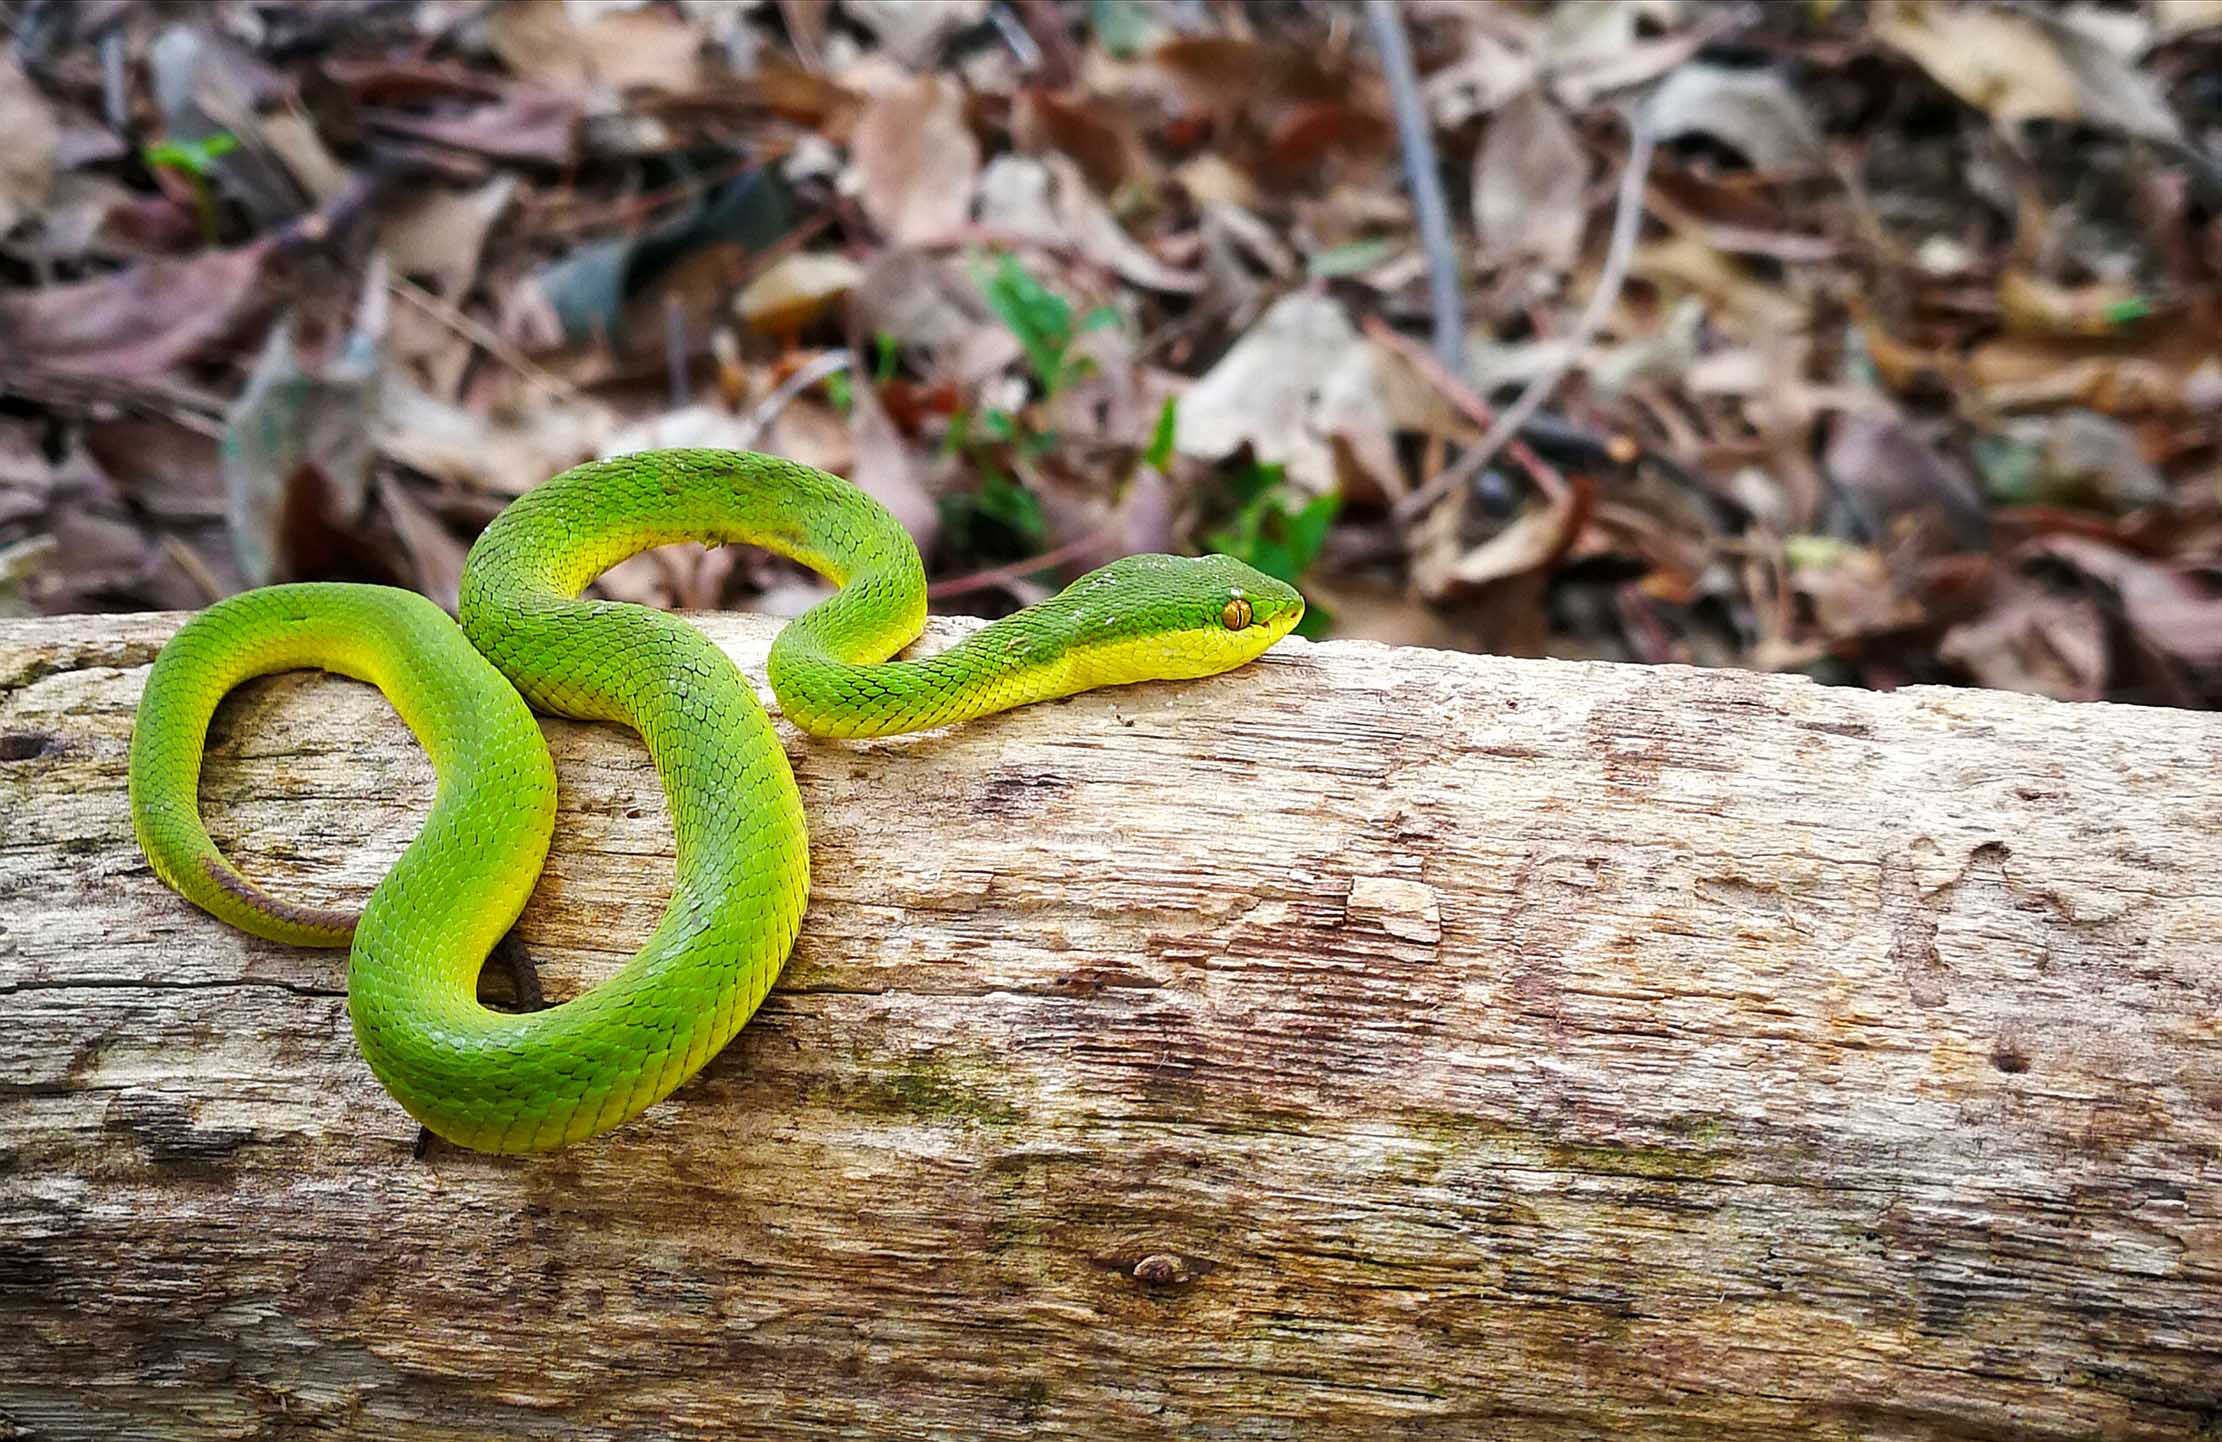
(1370, 1043)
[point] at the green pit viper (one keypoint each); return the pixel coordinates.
(515, 1082)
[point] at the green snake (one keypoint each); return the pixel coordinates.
(513, 1082)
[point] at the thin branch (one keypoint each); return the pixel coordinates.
(982, 580)
(481, 336)
(1627, 221)
(1416, 144)
(767, 410)
(1462, 396)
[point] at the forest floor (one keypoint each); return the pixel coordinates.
(1877, 342)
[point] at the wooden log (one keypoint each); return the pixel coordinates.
(1370, 1043)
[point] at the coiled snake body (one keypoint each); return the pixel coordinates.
(529, 1082)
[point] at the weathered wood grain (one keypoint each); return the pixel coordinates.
(1368, 1044)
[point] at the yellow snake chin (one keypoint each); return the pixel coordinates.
(505, 1082)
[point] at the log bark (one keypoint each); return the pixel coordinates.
(1370, 1043)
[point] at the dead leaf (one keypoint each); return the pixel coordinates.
(796, 290)
(530, 126)
(1299, 382)
(138, 322)
(1106, 152)
(1761, 310)
(297, 448)
(438, 236)
(1848, 589)
(2030, 306)
(884, 469)
(1753, 112)
(549, 44)
(911, 32)
(2170, 608)
(434, 553)
(2180, 17)
(500, 456)
(914, 161)
(1530, 179)
(2033, 640)
(1090, 224)
(2017, 65)
(1893, 478)
(27, 160)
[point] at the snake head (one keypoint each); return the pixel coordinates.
(1171, 618)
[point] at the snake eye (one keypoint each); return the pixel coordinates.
(1236, 615)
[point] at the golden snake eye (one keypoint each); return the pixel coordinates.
(1236, 615)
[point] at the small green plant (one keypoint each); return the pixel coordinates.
(1278, 530)
(196, 160)
(1043, 322)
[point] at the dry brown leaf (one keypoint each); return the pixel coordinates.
(1753, 111)
(433, 552)
(1849, 589)
(2015, 66)
(438, 235)
(1761, 310)
(914, 161)
(796, 290)
(138, 322)
(545, 43)
(2033, 640)
(1530, 179)
(1099, 237)
(1893, 476)
(2180, 17)
(504, 456)
(885, 470)
(2030, 306)
(27, 160)
(1302, 379)
(1104, 150)
(534, 127)
(2178, 613)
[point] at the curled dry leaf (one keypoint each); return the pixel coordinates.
(437, 236)
(1530, 179)
(138, 322)
(796, 290)
(914, 161)
(2035, 640)
(1752, 111)
(2016, 65)
(1892, 477)
(885, 470)
(551, 45)
(27, 160)
(2175, 611)
(499, 456)
(527, 125)
(1090, 224)
(1300, 382)
(297, 456)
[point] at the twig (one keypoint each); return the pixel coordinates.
(480, 336)
(1416, 144)
(1461, 395)
(1627, 220)
(767, 410)
(982, 580)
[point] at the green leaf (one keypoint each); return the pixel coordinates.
(196, 157)
(1355, 258)
(1160, 453)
